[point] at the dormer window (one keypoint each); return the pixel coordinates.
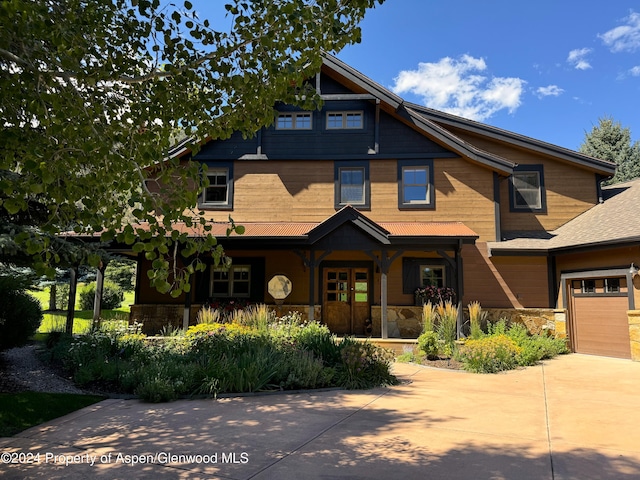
(345, 120)
(294, 121)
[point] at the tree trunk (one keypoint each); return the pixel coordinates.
(71, 306)
(52, 297)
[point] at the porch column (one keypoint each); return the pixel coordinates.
(71, 305)
(384, 331)
(97, 299)
(186, 317)
(460, 288)
(312, 285)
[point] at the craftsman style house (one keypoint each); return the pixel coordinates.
(353, 207)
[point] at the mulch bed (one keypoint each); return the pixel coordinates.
(7, 383)
(448, 363)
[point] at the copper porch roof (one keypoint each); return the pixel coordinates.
(397, 229)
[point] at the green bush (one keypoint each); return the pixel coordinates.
(112, 296)
(428, 343)
(489, 354)
(222, 358)
(20, 314)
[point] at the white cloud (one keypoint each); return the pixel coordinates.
(577, 58)
(635, 71)
(549, 91)
(455, 86)
(625, 37)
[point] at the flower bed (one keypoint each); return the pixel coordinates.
(256, 352)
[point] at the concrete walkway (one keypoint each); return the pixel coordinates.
(574, 417)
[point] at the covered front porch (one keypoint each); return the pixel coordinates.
(355, 275)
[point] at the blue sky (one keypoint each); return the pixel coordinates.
(547, 69)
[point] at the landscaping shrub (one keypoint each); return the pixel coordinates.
(223, 358)
(20, 314)
(364, 365)
(489, 354)
(112, 296)
(428, 343)
(447, 328)
(477, 319)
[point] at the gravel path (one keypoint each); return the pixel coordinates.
(22, 369)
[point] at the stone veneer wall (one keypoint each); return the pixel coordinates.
(402, 321)
(634, 333)
(406, 321)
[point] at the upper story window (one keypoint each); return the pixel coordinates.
(415, 184)
(345, 120)
(352, 184)
(294, 121)
(526, 189)
(219, 193)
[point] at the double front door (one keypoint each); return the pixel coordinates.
(346, 303)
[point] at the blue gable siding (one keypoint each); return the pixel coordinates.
(398, 138)
(229, 149)
(394, 137)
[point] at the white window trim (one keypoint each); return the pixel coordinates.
(294, 120)
(427, 200)
(230, 282)
(344, 114)
(213, 171)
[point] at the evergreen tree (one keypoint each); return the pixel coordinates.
(610, 141)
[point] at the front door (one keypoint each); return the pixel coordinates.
(347, 294)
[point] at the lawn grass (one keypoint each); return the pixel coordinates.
(43, 297)
(56, 321)
(19, 411)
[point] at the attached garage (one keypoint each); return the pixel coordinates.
(598, 315)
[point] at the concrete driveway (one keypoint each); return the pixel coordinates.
(574, 417)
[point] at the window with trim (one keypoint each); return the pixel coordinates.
(345, 120)
(612, 285)
(294, 121)
(415, 184)
(234, 281)
(219, 193)
(526, 189)
(588, 286)
(352, 184)
(432, 276)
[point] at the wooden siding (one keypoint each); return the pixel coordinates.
(620, 257)
(504, 282)
(464, 192)
(570, 190)
(281, 191)
(284, 191)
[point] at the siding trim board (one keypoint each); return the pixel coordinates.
(566, 277)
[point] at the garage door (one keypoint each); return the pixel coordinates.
(599, 317)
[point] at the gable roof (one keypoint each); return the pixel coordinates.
(425, 125)
(603, 167)
(616, 221)
(434, 124)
